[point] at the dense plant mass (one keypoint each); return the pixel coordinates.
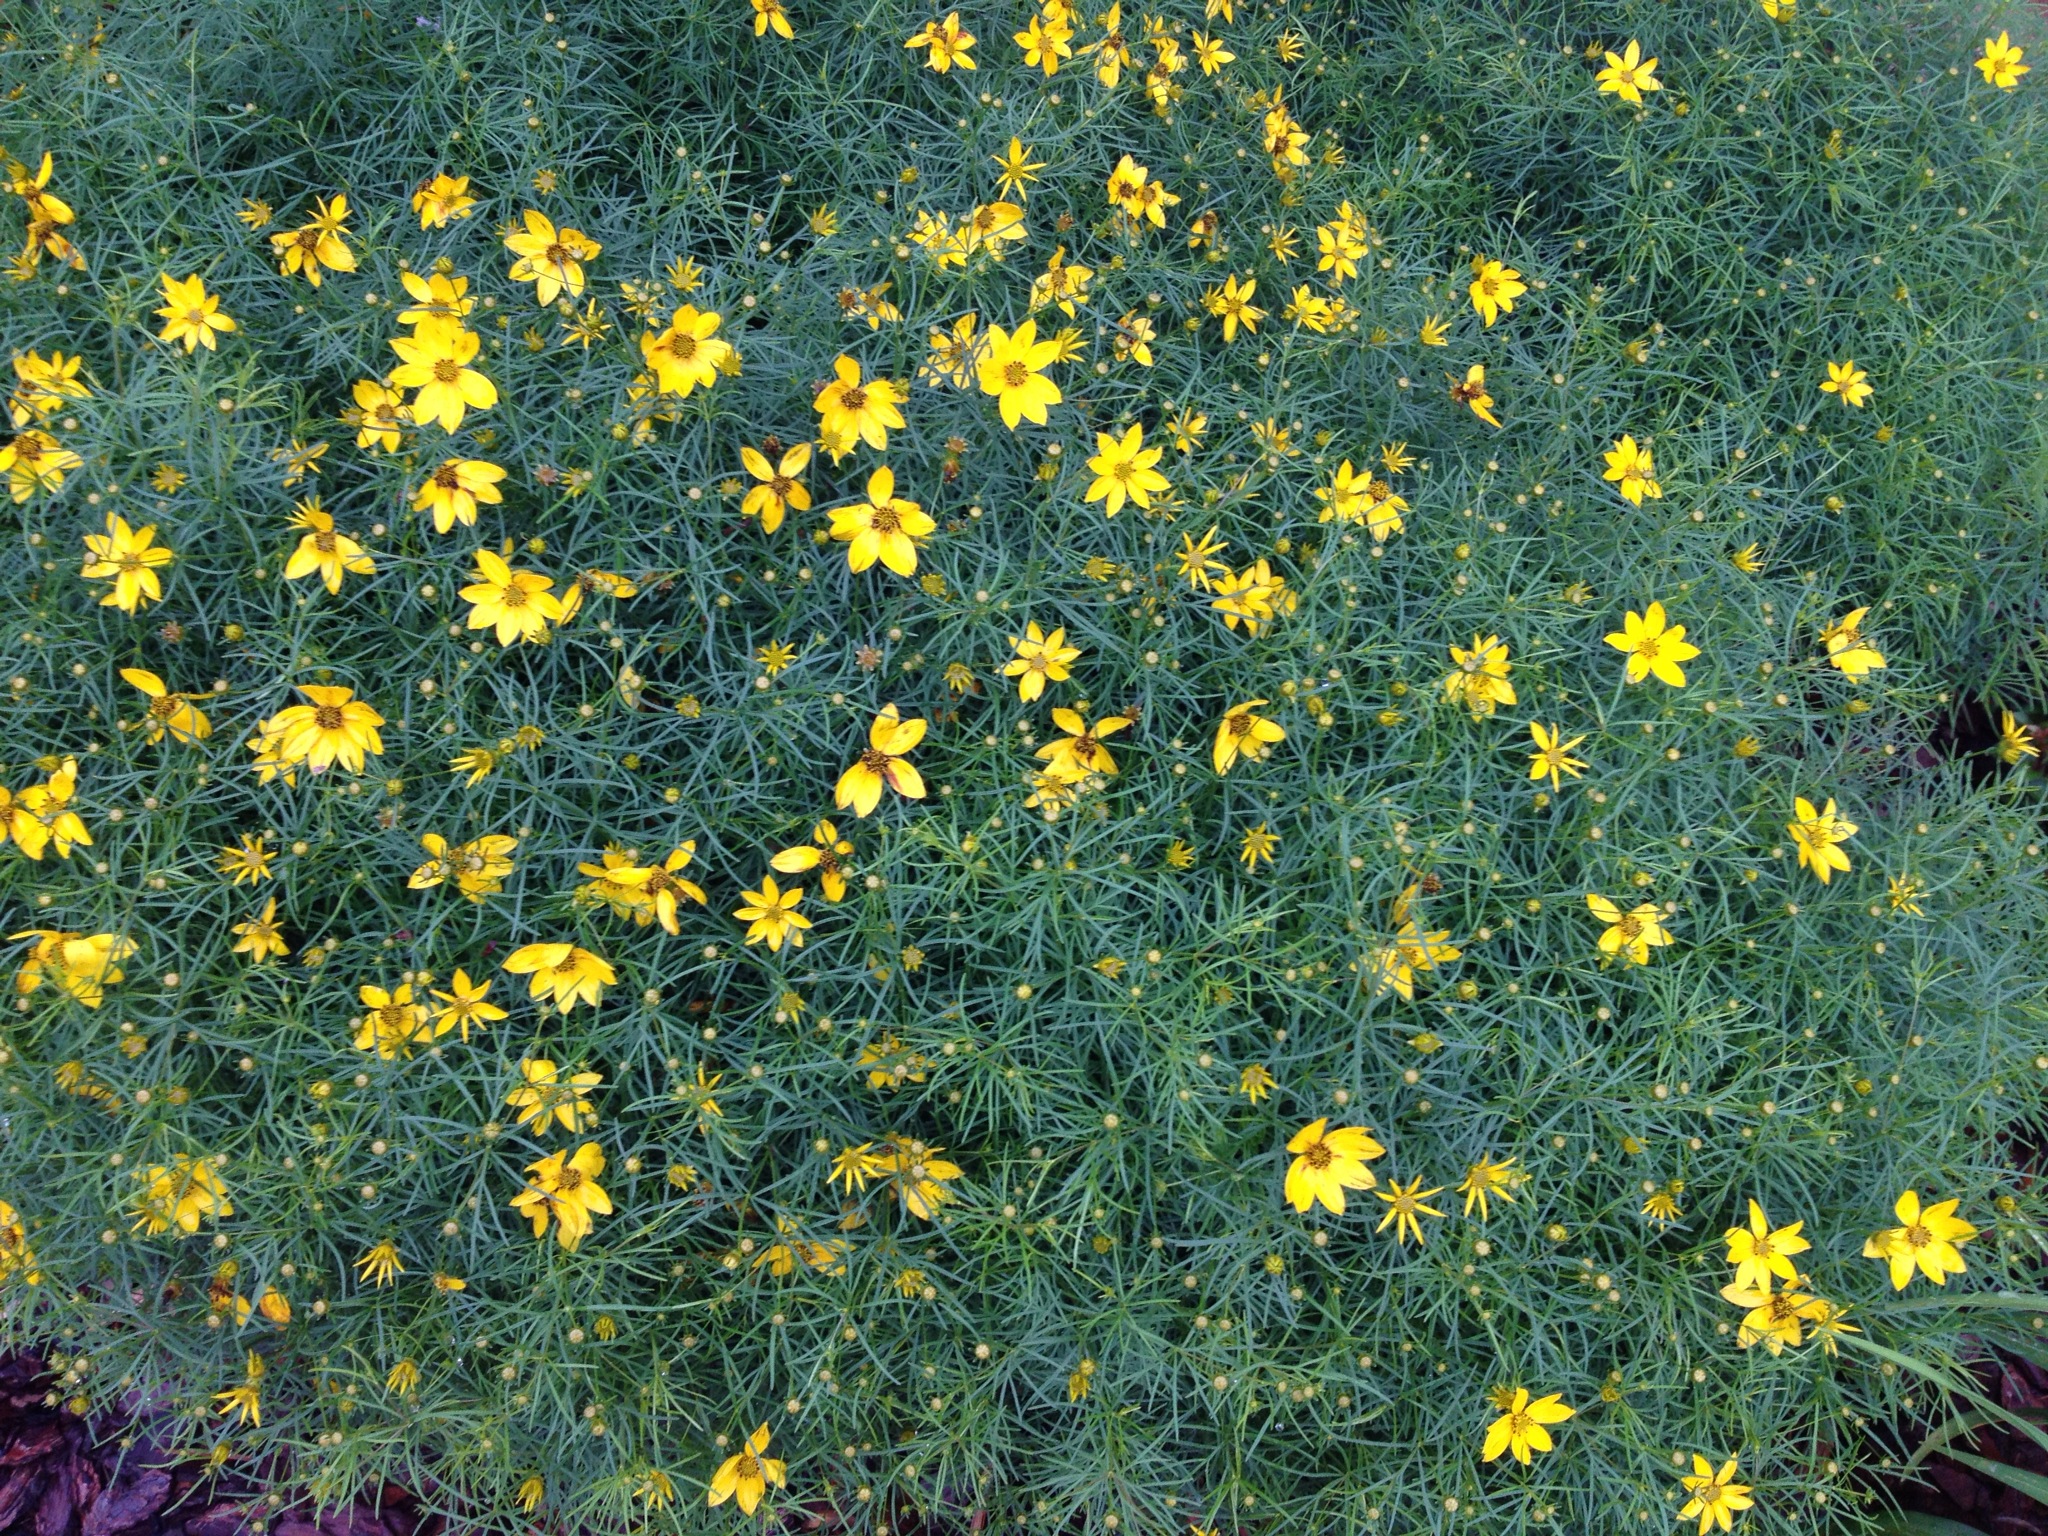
(1208, 771)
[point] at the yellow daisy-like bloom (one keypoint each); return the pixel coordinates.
(1241, 733)
(437, 297)
(850, 408)
(771, 916)
(392, 1023)
(1553, 754)
(323, 551)
(1847, 383)
(1123, 471)
(947, 43)
(778, 491)
(316, 243)
(1327, 1162)
(1079, 752)
(1760, 1251)
(1487, 1180)
(34, 461)
(1654, 648)
(1232, 304)
(130, 558)
(564, 1187)
(1926, 1239)
(1632, 468)
(440, 198)
(261, 938)
(1818, 834)
(45, 383)
(562, 973)
(434, 363)
(550, 1097)
(380, 1264)
(550, 259)
(884, 527)
(453, 492)
(1632, 934)
(1848, 652)
(247, 861)
(478, 867)
(689, 355)
(1480, 676)
(916, 1173)
(1628, 74)
(1772, 1319)
(333, 726)
(882, 764)
(181, 1194)
(168, 713)
(41, 815)
(1471, 392)
(191, 314)
(1494, 288)
(517, 604)
(1714, 1498)
(1520, 1427)
(1041, 659)
(747, 1474)
(16, 1257)
(2000, 64)
(1394, 965)
(770, 13)
(2015, 741)
(827, 853)
(379, 414)
(465, 1007)
(81, 965)
(663, 887)
(1011, 370)
(1404, 1206)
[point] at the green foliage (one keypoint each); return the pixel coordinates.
(1050, 999)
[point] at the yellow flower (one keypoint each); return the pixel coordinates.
(1241, 732)
(1232, 305)
(1123, 470)
(1041, 658)
(168, 712)
(1472, 393)
(746, 1474)
(1715, 1497)
(1326, 1163)
(947, 42)
(1435, 332)
(1258, 844)
(1848, 651)
(1494, 288)
(1479, 678)
(550, 1097)
(1847, 383)
(191, 314)
(771, 916)
(33, 460)
(1079, 753)
(850, 408)
(882, 763)
(478, 866)
(1817, 834)
(434, 364)
(689, 354)
(563, 973)
(1486, 1180)
(261, 938)
(392, 1023)
(827, 853)
(333, 726)
(1045, 41)
(917, 1173)
(317, 243)
(324, 552)
(378, 414)
(1256, 1083)
(16, 1257)
(2000, 64)
(82, 965)
(402, 1377)
(662, 886)
(129, 557)
(517, 603)
(654, 1488)
(779, 491)
(1633, 934)
(44, 384)
(1748, 559)
(1630, 464)
(1520, 1428)
(551, 259)
(248, 862)
(1760, 1251)
(769, 13)
(465, 1006)
(1394, 965)
(1187, 427)
(532, 1489)
(1010, 369)
(453, 491)
(442, 197)
(564, 1187)
(1653, 648)
(180, 1194)
(1553, 754)
(1131, 190)
(1403, 1206)
(884, 527)
(1773, 1320)
(1627, 74)
(380, 1264)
